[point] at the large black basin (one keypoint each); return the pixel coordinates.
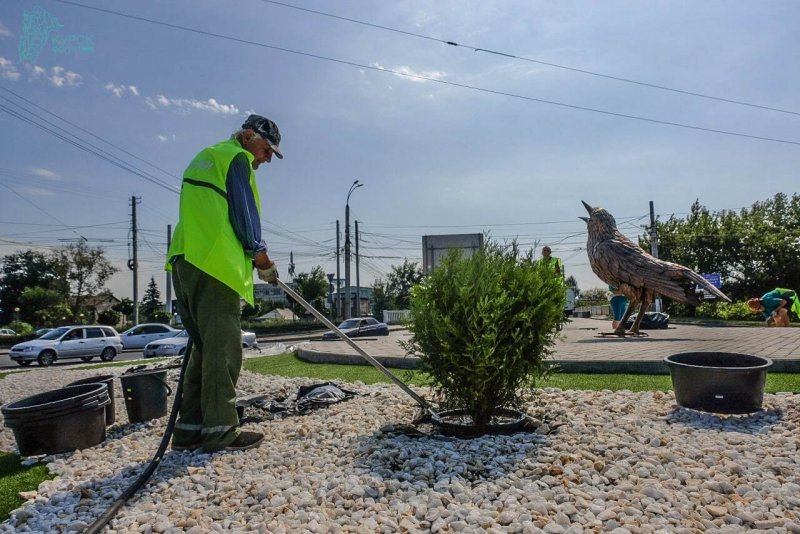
(718, 382)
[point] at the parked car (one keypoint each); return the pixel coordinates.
(82, 341)
(359, 327)
(176, 345)
(7, 332)
(140, 335)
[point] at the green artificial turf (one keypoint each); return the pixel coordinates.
(290, 366)
(14, 478)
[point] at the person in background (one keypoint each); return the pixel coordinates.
(216, 245)
(553, 263)
(775, 305)
(618, 303)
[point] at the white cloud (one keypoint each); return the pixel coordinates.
(165, 138)
(5, 32)
(162, 138)
(187, 104)
(45, 173)
(8, 70)
(36, 191)
(120, 90)
(408, 73)
(58, 76)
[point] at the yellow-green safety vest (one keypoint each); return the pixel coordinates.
(204, 234)
(554, 263)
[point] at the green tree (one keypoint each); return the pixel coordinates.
(151, 302)
(313, 287)
(399, 284)
(124, 307)
(85, 269)
(380, 298)
(109, 318)
(24, 270)
(754, 249)
(40, 306)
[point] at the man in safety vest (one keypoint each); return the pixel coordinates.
(216, 244)
(552, 262)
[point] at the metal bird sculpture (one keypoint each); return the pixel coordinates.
(617, 261)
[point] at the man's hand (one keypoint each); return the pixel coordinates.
(270, 274)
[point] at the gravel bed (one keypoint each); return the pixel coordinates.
(606, 462)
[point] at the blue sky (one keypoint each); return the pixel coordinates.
(435, 157)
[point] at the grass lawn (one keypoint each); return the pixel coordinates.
(14, 478)
(290, 366)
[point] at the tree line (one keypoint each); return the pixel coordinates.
(755, 249)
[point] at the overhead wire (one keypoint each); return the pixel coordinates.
(531, 60)
(430, 78)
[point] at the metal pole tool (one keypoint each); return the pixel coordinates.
(375, 363)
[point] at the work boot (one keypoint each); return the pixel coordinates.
(246, 440)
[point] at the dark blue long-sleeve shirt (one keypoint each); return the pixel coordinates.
(242, 210)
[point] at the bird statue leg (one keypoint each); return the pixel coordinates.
(646, 298)
(620, 330)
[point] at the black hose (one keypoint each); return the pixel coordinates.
(112, 510)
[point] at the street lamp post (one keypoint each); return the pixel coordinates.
(348, 311)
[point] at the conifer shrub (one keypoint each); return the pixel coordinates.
(483, 326)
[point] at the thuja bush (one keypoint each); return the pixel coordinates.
(483, 326)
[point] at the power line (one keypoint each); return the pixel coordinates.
(82, 144)
(522, 58)
(435, 80)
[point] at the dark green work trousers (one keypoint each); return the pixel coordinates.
(211, 313)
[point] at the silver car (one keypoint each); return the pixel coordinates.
(140, 335)
(176, 346)
(84, 342)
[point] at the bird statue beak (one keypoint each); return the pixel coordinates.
(584, 219)
(588, 207)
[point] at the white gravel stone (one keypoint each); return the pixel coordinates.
(614, 462)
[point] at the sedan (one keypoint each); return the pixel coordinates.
(359, 327)
(140, 335)
(176, 345)
(84, 342)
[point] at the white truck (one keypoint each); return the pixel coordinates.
(572, 296)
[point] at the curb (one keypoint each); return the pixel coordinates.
(634, 367)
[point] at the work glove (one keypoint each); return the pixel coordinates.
(270, 274)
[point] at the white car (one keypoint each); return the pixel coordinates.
(140, 335)
(7, 332)
(80, 341)
(176, 346)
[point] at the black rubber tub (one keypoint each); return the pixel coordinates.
(718, 382)
(458, 424)
(56, 421)
(145, 394)
(109, 381)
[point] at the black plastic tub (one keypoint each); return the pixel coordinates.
(109, 381)
(145, 394)
(718, 382)
(57, 421)
(456, 423)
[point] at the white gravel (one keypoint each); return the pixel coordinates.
(613, 462)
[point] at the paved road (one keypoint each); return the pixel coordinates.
(581, 348)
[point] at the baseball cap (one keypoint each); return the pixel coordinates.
(266, 129)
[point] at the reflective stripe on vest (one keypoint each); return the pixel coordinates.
(204, 234)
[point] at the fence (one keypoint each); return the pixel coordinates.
(395, 316)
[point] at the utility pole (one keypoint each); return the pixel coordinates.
(338, 303)
(348, 312)
(133, 263)
(654, 246)
(358, 281)
(169, 274)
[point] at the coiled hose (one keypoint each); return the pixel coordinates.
(112, 510)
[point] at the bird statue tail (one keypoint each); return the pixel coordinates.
(701, 282)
